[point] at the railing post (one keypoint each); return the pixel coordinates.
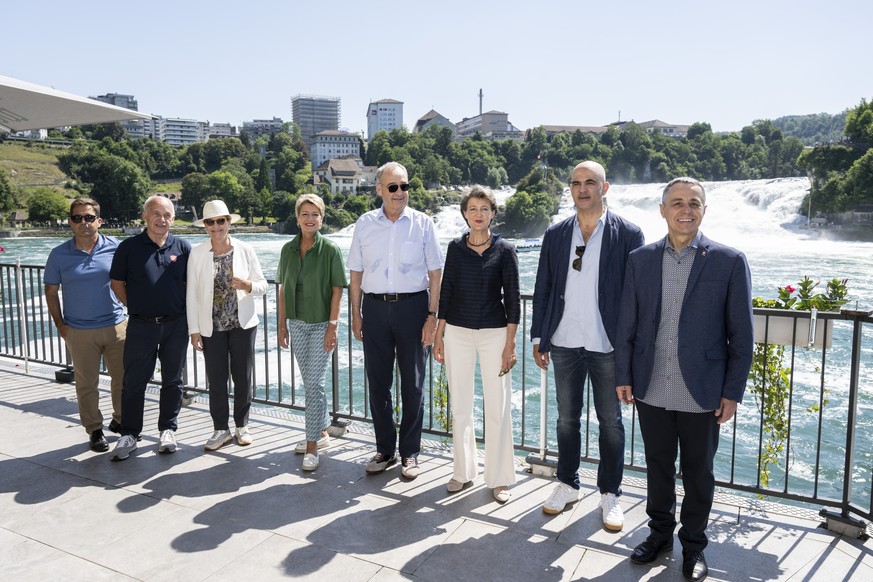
(539, 465)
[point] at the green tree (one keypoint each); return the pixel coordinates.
(263, 178)
(119, 185)
(46, 205)
(859, 123)
(196, 191)
(7, 198)
(528, 214)
(224, 185)
(283, 205)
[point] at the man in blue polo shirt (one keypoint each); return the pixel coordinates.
(92, 321)
(148, 275)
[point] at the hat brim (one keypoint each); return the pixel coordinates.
(234, 218)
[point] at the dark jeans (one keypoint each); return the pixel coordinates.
(572, 367)
(696, 436)
(395, 329)
(236, 347)
(146, 342)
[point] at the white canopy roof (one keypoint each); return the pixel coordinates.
(26, 106)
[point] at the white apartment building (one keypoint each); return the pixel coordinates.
(329, 145)
(386, 114)
(176, 131)
(492, 125)
(258, 127)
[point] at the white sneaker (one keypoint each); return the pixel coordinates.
(168, 442)
(613, 516)
(218, 439)
(123, 447)
(560, 497)
(310, 462)
(243, 436)
(323, 443)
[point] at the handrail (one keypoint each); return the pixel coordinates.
(823, 463)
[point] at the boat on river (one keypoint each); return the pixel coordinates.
(528, 245)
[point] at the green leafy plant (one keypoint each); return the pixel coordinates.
(770, 377)
(442, 413)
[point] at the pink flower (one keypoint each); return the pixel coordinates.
(790, 289)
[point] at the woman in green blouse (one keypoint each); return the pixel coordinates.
(311, 278)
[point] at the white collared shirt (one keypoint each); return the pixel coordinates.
(394, 257)
(581, 324)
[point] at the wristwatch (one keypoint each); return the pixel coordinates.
(434, 313)
(334, 321)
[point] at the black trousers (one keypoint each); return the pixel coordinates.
(235, 347)
(696, 437)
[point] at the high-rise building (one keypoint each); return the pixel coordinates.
(385, 114)
(315, 114)
(133, 127)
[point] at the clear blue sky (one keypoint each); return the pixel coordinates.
(564, 62)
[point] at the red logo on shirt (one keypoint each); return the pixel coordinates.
(173, 258)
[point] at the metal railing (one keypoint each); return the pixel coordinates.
(826, 459)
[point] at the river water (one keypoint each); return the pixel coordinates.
(758, 217)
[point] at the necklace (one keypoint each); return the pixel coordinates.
(481, 244)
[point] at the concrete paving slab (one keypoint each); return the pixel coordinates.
(26, 560)
(281, 557)
(478, 551)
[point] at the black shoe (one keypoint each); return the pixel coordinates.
(115, 426)
(98, 441)
(694, 565)
(648, 550)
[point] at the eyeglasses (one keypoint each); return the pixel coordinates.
(211, 221)
(77, 218)
(393, 187)
(577, 262)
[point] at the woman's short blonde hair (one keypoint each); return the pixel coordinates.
(313, 199)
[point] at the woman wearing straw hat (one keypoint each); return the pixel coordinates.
(311, 278)
(224, 277)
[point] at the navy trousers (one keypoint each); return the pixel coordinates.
(393, 329)
(146, 343)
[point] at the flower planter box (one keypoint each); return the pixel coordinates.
(780, 327)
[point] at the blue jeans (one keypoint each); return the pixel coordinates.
(572, 366)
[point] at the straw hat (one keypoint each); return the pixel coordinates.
(214, 209)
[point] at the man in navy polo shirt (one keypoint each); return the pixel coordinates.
(148, 275)
(92, 321)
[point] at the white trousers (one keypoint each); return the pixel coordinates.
(462, 345)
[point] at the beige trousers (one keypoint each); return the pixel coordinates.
(86, 347)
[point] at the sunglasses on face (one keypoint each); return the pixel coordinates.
(211, 221)
(77, 218)
(577, 262)
(393, 187)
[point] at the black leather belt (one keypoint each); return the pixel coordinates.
(392, 297)
(157, 318)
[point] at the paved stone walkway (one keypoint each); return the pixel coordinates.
(250, 513)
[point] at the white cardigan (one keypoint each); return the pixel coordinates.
(200, 286)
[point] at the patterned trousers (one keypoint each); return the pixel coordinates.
(307, 345)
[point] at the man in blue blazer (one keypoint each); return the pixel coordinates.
(575, 313)
(683, 354)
